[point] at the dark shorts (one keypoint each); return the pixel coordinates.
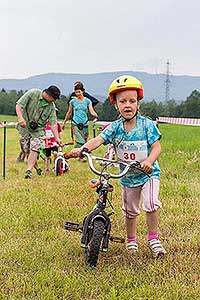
(49, 150)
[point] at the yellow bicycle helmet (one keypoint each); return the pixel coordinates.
(125, 82)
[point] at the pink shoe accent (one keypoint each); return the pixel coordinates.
(152, 236)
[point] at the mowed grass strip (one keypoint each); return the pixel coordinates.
(39, 260)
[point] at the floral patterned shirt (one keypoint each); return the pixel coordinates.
(133, 145)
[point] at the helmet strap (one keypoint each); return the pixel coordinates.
(128, 120)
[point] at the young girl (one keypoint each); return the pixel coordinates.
(135, 138)
(79, 107)
(50, 144)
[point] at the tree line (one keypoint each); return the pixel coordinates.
(189, 108)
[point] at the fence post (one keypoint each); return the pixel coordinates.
(94, 129)
(4, 150)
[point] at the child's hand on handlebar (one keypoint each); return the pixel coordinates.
(76, 152)
(146, 166)
(63, 126)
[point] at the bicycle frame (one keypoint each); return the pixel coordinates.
(96, 226)
(60, 156)
(98, 212)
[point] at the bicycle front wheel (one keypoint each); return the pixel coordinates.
(59, 167)
(93, 248)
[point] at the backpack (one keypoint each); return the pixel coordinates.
(85, 94)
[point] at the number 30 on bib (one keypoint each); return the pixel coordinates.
(129, 155)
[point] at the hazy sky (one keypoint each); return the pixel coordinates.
(90, 36)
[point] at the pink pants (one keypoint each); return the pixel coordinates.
(147, 192)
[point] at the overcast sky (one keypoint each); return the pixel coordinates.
(90, 36)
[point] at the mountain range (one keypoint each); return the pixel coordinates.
(180, 86)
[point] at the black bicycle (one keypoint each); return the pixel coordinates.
(96, 227)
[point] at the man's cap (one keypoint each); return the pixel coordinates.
(53, 91)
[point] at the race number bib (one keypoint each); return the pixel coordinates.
(132, 151)
(49, 133)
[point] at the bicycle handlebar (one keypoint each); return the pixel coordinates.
(110, 175)
(134, 165)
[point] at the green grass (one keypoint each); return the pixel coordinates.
(39, 260)
(8, 118)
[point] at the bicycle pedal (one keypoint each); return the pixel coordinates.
(72, 226)
(116, 239)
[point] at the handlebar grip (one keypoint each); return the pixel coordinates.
(149, 171)
(67, 155)
(84, 150)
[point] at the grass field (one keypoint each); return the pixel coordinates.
(39, 260)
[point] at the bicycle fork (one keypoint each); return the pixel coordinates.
(98, 212)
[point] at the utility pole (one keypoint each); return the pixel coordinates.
(167, 83)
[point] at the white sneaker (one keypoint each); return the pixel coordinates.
(157, 248)
(132, 246)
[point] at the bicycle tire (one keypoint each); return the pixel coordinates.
(93, 248)
(59, 167)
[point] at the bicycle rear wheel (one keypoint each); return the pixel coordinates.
(59, 167)
(93, 248)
